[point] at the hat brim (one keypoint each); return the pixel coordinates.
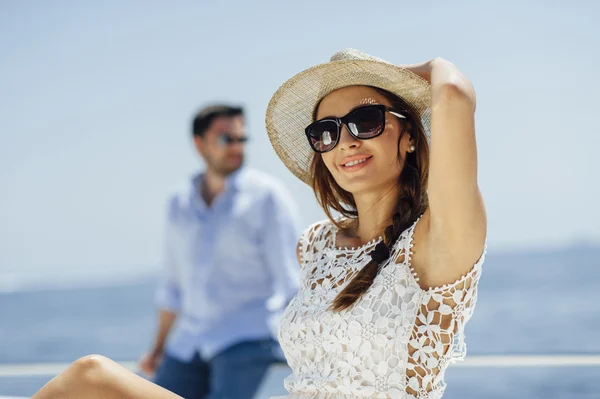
(292, 106)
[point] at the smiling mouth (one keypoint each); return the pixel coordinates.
(356, 162)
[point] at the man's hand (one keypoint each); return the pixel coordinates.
(149, 362)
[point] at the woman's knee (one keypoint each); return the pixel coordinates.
(84, 378)
(91, 370)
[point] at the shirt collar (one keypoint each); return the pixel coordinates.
(234, 180)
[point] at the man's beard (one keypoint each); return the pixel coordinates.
(225, 170)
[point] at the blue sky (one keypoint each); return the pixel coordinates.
(96, 100)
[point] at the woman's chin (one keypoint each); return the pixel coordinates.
(357, 186)
(362, 184)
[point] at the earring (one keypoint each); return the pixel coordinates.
(411, 149)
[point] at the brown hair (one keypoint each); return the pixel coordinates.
(412, 201)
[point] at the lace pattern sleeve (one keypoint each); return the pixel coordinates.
(438, 336)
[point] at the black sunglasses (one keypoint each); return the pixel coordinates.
(227, 139)
(364, 123)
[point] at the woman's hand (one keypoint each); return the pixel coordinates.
(440, 72)
(423, 69)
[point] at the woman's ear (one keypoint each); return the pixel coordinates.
(407, 143)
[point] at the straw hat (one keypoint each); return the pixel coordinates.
(292, 106)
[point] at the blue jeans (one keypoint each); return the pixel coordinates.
(234, 373)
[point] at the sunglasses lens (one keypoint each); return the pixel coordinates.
(366, 123)
(323, 135)
(226, 139)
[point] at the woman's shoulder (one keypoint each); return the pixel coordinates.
(313, 241)
(317, 230)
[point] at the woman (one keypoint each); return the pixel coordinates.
(388, 285)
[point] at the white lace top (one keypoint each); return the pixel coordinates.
(396, 341)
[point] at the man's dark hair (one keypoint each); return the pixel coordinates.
(206, 115)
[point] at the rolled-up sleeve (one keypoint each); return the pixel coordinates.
(168, 296)
(279, 242)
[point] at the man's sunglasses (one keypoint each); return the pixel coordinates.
(227, 139)
(363, 123)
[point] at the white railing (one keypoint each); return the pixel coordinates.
(48, 369)
(277, 373)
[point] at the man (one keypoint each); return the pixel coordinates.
(230, 270)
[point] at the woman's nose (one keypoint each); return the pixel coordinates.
(347, 140)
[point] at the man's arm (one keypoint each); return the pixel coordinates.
(168, 299)
(151, 360)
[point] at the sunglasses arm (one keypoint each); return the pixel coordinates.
(397, 114)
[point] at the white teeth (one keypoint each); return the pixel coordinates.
(355, 162)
